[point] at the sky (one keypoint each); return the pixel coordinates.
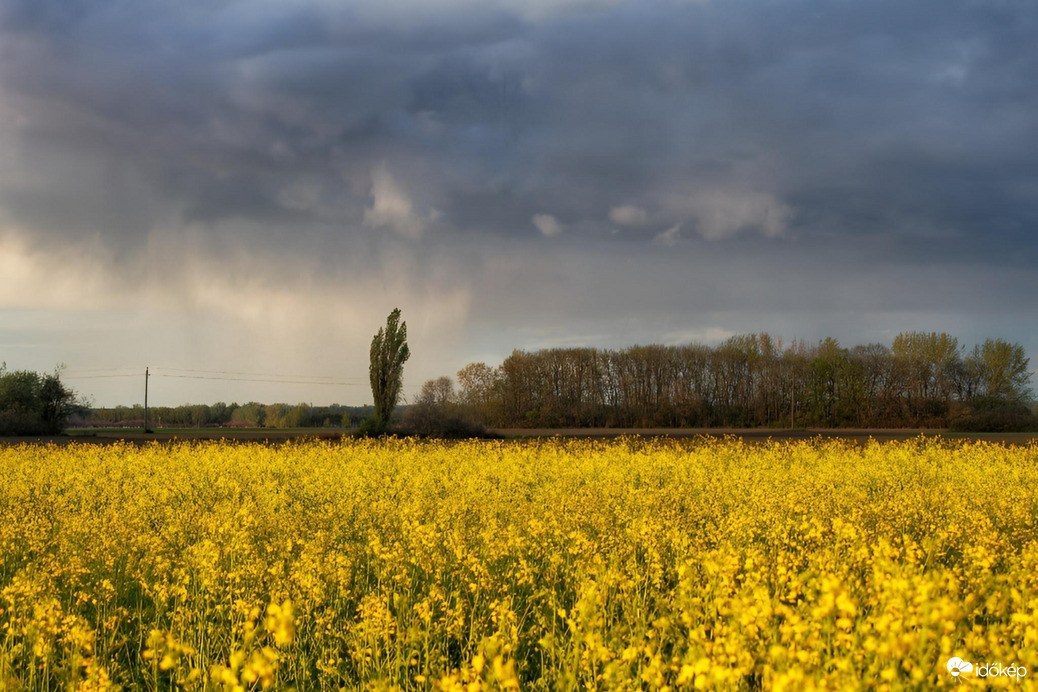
(244, 190)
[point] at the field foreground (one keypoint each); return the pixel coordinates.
(559, 564)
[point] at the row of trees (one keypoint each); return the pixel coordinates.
(32, 403)
(389, 351)
(252, 415)
(921, 380)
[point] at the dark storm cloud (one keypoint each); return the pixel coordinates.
(265, 179)
(797, 119)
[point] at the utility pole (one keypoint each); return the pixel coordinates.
(146, 399)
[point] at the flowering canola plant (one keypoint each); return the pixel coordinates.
(548, 565)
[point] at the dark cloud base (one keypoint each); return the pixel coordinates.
(792, 156)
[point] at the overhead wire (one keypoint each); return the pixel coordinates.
(98, 377)
(235, 376)
(118, 369)
(257, 374)
(246, 379)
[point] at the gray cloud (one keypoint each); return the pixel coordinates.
(876, 141)
(867, 118)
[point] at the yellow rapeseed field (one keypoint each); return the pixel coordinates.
(551, 565)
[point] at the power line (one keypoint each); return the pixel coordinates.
(98, 377)
(119, 369)
(246, 379)
(257, 374)
(268, 378)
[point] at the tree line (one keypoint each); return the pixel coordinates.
(750, 380)
(249, 415)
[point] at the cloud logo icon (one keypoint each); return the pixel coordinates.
(957, 666)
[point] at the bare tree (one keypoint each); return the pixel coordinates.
(479, 383)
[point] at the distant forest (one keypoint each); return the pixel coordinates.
(922, 380)
(250, 415)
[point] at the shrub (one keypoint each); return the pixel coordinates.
(447, 421)
(371, 427)
(996, 418)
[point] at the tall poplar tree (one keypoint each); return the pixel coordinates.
(389, 352)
